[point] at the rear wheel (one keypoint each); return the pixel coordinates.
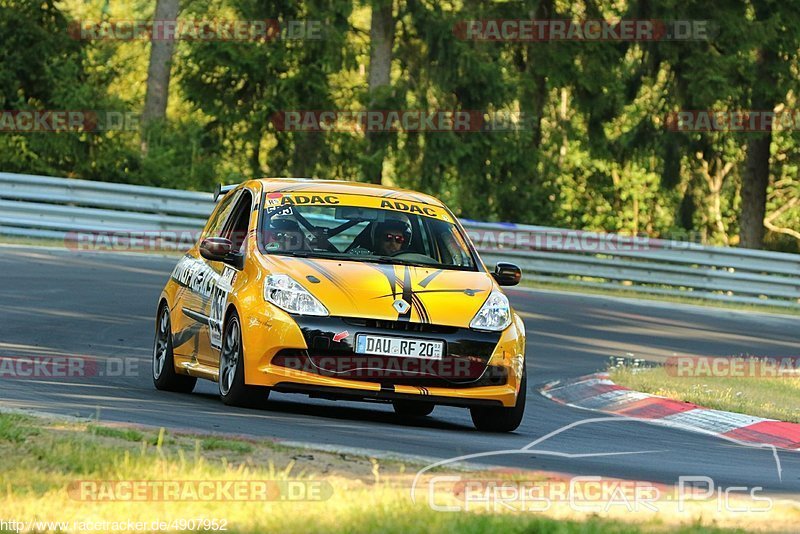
(232, 388)
(164, 376)
(406, 408)
(502, 419)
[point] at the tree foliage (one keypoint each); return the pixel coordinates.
(588, 145)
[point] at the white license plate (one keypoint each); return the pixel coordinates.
(399, 346)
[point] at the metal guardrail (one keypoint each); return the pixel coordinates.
(59, 208)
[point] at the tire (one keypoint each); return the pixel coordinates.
(501, 419)
(232, 389)
(406, 408)
(165, 378)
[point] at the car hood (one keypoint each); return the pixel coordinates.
(370, 290)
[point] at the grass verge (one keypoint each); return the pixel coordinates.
(762, 396)
(51, 471)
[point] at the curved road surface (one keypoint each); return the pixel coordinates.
(60, 302)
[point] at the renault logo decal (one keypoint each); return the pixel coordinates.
(401, 306)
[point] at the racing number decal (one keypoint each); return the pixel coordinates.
(219, 301)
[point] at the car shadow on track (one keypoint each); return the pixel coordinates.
(339, 412)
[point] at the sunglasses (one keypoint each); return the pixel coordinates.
(397, 238)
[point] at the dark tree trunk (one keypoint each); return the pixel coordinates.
(535, 91)
(307, 145)
(755, 178)
(380, 65)
(754, 192)
(158, 71)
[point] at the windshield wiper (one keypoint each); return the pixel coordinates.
(310, 254)
(397, 261)
(294, 253)
(386, 260)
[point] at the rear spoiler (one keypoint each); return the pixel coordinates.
(222, 190)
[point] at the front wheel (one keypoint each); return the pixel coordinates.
(232, 388)
(164, 376)
(502, 419)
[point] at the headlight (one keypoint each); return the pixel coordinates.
(495, 314)
(288, 295)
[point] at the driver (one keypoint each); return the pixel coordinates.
(391, 236)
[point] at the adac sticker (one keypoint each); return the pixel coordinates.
(299, 200)
(399, 205)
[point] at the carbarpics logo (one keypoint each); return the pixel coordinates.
(536, 30)
(457, 493)
(196, 30)
(589, 494)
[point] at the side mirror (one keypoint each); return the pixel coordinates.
(507, 274)
(215, 248)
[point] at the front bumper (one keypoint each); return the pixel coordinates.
(317, 357)
(330, 343)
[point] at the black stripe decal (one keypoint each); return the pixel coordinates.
(423, 313)
(427, 280)
(407, 294)
(470, 292)
(187, 334)
(195, 315)
(332, 277)
(390, 274)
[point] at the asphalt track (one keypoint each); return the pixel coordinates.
(60, 302)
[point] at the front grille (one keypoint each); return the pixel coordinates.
(324, 364)
(401, 326)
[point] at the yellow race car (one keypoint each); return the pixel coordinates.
(346, 291)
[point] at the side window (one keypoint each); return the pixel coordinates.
(218, 218)
(239, 222)
(452, 247)
(424, 232)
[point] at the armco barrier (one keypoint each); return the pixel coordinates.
(39, 206)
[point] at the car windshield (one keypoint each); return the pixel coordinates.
(419, 235)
